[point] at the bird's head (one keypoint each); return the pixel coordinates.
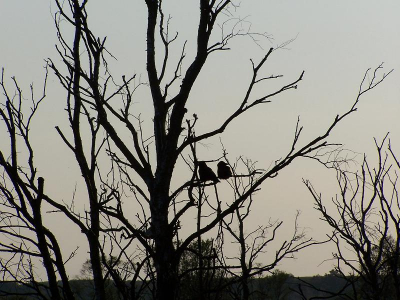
(222, 164)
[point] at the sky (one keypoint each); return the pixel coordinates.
(334, 42)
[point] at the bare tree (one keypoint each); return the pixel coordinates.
(118, 166)
(364, 221)
(253, 243)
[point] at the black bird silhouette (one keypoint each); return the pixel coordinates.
(224, 171)
(206, 173)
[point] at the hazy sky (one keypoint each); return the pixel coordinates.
(335, 42)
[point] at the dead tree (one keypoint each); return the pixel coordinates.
(118, 166)
(365, 219)
(253, 243)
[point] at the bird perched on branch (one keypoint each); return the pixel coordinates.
(224, 171)
(206, 173)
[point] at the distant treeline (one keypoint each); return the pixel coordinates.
(279, 286)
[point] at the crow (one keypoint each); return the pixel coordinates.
(206, 173)
(224, 171)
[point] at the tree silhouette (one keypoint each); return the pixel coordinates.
(119, 163)
(367, 210)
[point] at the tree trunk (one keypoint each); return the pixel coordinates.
(167, 279)
(166, 267)
(43, 246)
(165, 261)
(245, 288)
(95, 260)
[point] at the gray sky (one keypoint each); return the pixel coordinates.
(335, 43)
